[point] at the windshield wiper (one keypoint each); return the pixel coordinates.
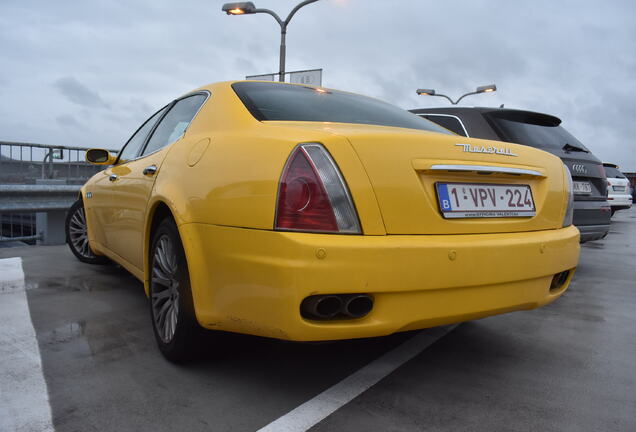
(569, 147)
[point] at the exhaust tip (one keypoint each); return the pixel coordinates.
(559, 280)
(336, 306)
(321, 306)
(357, 306)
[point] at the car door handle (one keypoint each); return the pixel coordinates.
(150, 170)
(113, 177)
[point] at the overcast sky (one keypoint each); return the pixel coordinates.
(88, 72)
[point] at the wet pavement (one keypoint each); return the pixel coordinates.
(569, 366)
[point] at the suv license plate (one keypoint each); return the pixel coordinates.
(580, 187)
(474, 200)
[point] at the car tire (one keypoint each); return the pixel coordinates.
(612, 212)
(171, 306)
(77, 235)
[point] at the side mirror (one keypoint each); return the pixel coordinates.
(100, 157)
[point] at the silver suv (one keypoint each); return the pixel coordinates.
(618, 193)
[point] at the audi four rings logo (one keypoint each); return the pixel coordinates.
(579, 168)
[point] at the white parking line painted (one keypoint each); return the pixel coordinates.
(24, 400)
(11, 275)
(315, 410)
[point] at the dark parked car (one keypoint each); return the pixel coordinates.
(591, 209)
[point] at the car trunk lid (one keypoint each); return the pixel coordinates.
(405, 165)
(405, 169)
(585, 171)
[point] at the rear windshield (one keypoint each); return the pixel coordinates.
(284, 102)
(536, 134)
(613, 172)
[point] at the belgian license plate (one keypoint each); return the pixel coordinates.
(581, 187)
(618, 188)
(468, 200)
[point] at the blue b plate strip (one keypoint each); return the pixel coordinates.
(442, 194)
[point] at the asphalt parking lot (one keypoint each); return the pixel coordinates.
(566, 367)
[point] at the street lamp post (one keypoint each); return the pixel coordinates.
(481, 89)
(245, 8)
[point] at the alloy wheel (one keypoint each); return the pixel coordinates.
(78, 234)
(165, 289)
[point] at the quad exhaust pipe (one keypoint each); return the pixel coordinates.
(336, 306)
(322, 306)
(357, 305)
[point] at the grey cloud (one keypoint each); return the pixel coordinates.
(138, 108)
(79, 94)
(571, 58)
(242, 63)
(68, 120)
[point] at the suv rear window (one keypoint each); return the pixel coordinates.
(536, 131)
(284, 102)
(613, 172)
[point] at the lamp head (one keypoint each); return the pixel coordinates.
(487, 88)
(428, 92)
(239, 8)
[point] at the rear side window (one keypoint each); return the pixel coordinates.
(613, 172)
(284, 102)
(174, 124)
(451, 123)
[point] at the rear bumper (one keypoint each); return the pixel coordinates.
(618, 202)
(592, 218)
(253, 281)
(593, 232)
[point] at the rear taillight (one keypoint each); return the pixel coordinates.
(569, 209)
(604, 177)
(312, 194)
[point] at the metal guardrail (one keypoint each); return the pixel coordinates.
(20, 203)
(16, 227)
(22, 163)
(38, 182)
(36, 198)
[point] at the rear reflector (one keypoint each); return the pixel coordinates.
(312, 194)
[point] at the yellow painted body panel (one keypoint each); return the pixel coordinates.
(98, 212)
(129, 202)
(252, 281)
(220, 182)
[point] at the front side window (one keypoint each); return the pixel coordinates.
(133, 146)
(174, 124)
(284, 102)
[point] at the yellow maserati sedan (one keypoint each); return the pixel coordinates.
(305, 213)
